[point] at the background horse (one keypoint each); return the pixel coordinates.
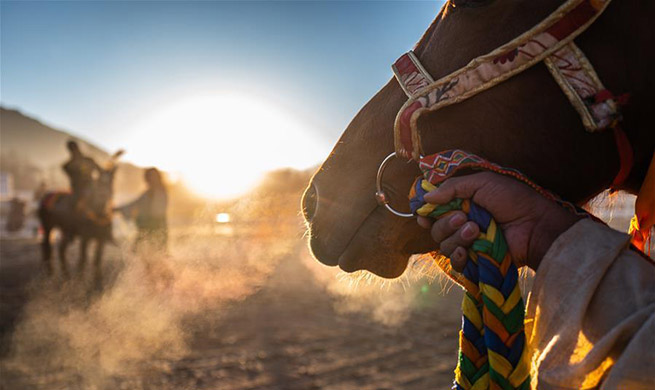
(93, 221)
(526, 123)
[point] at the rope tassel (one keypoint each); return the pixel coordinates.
(492, 343)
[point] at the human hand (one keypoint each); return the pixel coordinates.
(529, 221)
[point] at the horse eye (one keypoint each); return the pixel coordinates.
(470, 3)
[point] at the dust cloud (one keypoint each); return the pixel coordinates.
(138, 319)
(145, 316)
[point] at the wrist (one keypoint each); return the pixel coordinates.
(550, 226)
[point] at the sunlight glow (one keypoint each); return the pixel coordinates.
(221, 145)
(223, 218)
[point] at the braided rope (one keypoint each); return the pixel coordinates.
(492, 345)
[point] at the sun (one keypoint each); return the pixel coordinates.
(221, 145)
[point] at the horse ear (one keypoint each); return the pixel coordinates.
(118, 153)
(112, 164)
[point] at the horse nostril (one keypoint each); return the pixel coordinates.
(310, 202)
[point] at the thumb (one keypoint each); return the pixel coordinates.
(463, 187)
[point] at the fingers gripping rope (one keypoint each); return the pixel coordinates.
(492, 346)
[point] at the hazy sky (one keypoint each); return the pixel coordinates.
(97, 68)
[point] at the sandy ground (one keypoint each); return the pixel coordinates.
(293, 325)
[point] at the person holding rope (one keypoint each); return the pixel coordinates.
(149, 213)
(590, 317)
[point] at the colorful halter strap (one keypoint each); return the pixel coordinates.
(550, 41)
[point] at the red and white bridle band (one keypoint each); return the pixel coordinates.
(550, 41)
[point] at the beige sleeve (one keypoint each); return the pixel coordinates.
(591, 313)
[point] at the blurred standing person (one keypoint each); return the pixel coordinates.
(16, 218)
(149, 213)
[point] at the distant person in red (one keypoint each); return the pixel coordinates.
(80, 170)
(149, 213)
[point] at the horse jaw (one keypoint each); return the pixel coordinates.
(385, 251)
(381, 244)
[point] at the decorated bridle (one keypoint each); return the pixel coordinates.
(550, 42)
(493, 348)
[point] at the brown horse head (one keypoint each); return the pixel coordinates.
(99, 200)
(526, 122)
(103, 189)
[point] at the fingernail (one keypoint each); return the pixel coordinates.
(458, 259)
(431, 193)
(457, 220)
(468, 232)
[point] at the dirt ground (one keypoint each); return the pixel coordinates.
(213, 323)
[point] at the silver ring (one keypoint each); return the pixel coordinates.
(380, 196)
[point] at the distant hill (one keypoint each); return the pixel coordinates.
(37, 141)
(34, 152)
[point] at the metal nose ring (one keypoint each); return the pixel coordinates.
(380, 196)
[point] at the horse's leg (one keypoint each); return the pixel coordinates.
(84, 244)
(100, 246)
(63, 245)
(46, 250)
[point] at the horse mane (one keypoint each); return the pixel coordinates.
(428, 33)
